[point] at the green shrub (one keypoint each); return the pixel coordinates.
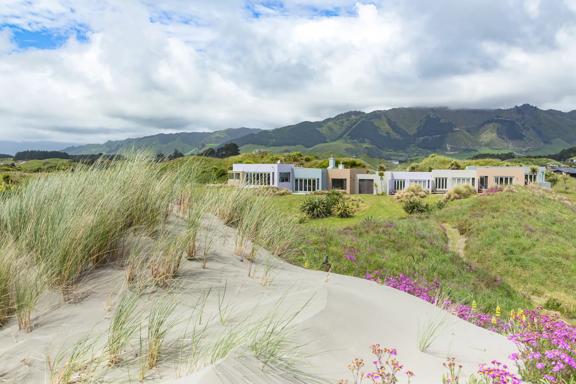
(440, 204)
(415, 205)
(343, 209)
(553, 304)
(552, 178)
(459, 192)
(413, 191)
(328, 204)
(316, 207)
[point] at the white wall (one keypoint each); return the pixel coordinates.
(451, 174)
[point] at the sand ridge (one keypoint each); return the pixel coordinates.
(336, 318)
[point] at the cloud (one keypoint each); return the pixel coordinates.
(136, 67)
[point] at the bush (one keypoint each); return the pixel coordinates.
(415, 205)
(459, 192)
(440, 204)
(552, 178)
(328, 204)
(413, 191)
(343, 209)
(316, 207)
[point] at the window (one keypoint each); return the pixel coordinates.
(483, 181)
(284, 177)
(339, 184)
(258, 178)
(530, 178)
(399, 184)
(425, 184)
(306, 185)
(463, 180)
(441, 183)
(504, 180)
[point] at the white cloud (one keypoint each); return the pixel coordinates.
(210, 65)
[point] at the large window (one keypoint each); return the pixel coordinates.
(399, 184)
(258, 178)
(463, 180)
(530, 178)
(441, 183)
(306, 185)
(504, 180)
(339, 184)
(483, 181)
(425, 184)
(284, 177)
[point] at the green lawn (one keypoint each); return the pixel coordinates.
(372, 206)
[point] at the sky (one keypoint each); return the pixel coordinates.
(89, 71)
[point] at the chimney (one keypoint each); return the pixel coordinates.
(341, 166)
(331, 162)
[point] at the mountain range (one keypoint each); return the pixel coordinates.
(398, 131)
(11, 147)
(185, 142)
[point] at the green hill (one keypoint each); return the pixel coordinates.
(185, 142)
(405, 132)
(525, 240)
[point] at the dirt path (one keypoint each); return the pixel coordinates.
(456, 242)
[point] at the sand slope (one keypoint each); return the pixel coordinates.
(337, 318)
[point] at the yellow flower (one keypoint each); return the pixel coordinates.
(498, 311)
(494, 320)
(474, 306)
(512, 314)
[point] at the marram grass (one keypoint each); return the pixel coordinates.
(70, 222)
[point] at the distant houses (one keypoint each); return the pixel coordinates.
(362, 181)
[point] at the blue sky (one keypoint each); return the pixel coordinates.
(84, 70)
(45, 38)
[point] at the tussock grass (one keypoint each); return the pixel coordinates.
(122, 327)
(253, 213)
(166, 258)
(21, 284)
(6, 308)
(159, 323)
(197, 205)
(429, 332)
(71, 222)
(75, 365)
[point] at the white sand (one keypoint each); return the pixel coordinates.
(339, 317)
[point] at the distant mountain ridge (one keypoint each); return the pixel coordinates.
(11, 147)
(523, 128)
(402, 131)
(185, 142)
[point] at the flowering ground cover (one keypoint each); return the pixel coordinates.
(546, 343)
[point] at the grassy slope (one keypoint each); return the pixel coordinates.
(443, 162)
(520, 248)
(384, 238)
(524, 239)
(414, 246)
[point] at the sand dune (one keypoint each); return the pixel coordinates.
(336, 318)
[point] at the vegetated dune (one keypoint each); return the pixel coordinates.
(281, 324)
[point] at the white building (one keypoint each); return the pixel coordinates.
(446, 179)
(399, 181)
